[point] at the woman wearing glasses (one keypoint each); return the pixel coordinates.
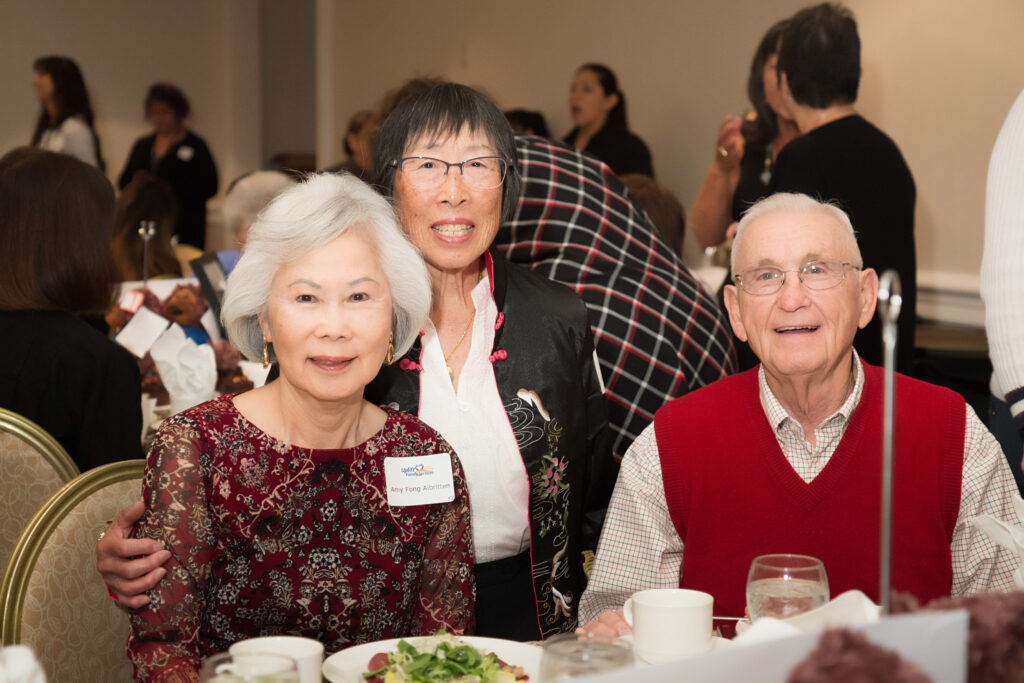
(503, 369)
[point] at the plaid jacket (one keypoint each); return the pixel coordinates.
(658, 334)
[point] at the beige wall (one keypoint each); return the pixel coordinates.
(939, 75)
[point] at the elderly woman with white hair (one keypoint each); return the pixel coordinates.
(277, 505)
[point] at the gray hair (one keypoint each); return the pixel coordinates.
(249, 194)
(791, 201)
(309, 215)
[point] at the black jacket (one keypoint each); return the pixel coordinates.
(189, 169)
(542, 344)
(623, 151)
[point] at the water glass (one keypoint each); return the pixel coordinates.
(248, 668)
(783, 585)
(571, 655)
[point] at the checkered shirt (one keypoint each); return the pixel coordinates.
(658, 334)
(640, 548)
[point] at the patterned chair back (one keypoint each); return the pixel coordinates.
(51, 597)
(33, 466)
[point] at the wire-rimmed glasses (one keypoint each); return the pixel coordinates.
(814, 275)
(481, 173)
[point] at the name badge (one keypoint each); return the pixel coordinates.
(185, 153)
(422, 480)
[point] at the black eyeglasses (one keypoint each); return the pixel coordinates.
(482, 173)
(814, 275)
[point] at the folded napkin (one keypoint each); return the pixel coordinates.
(19, 665)
(188, 371)
(1009, 535)
(848, 609)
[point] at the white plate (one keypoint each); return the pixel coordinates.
(348, 665)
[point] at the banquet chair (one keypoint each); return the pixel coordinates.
(32, 467)
(52, 598)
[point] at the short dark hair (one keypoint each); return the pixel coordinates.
(170, 95)
(55, 223)
(356, 124)
(443, 110)
(523, 120)
(820, 55)
(146, 198)
(765, 126)
(70, 97)
(610, 85)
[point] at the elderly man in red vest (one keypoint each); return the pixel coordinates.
(787, 456)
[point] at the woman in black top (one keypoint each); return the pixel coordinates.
(598, 111)
(178, 156)
(56, 265)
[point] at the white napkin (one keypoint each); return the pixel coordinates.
(18, 665)
(848, 609)
(1006, 534)
(188, 371)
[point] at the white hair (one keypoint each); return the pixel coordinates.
(795, 202)
(309, 215)
(249, 194)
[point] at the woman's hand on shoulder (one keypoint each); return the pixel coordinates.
(129, 566)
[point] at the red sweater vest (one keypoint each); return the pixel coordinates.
(733, 495)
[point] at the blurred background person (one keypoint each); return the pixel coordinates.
(246, 197)
(56, 214)
(598, 110)
(662, 207)
(358, 144)
(745, 150)
(1002, 288)
(842, 157)
(525, 122)
(145, 199)
(65, 122)
(178, 156)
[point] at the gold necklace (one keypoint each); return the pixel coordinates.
(451, 373)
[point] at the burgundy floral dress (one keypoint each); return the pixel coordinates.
(267, 538)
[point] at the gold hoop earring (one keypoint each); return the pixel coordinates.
(266, 354)
(390, 355)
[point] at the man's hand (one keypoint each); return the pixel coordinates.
(129, 566)
(609, 623)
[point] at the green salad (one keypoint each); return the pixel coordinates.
(441, 658)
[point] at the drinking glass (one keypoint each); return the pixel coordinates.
(571, 655)
(248, 668)
(781, 586)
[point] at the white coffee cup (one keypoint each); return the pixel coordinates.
(307, 653)
(669, 623)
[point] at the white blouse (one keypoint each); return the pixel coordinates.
(473, 420)
(71, 137)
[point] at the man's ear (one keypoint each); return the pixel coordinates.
(732, 304)
(868, 296)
